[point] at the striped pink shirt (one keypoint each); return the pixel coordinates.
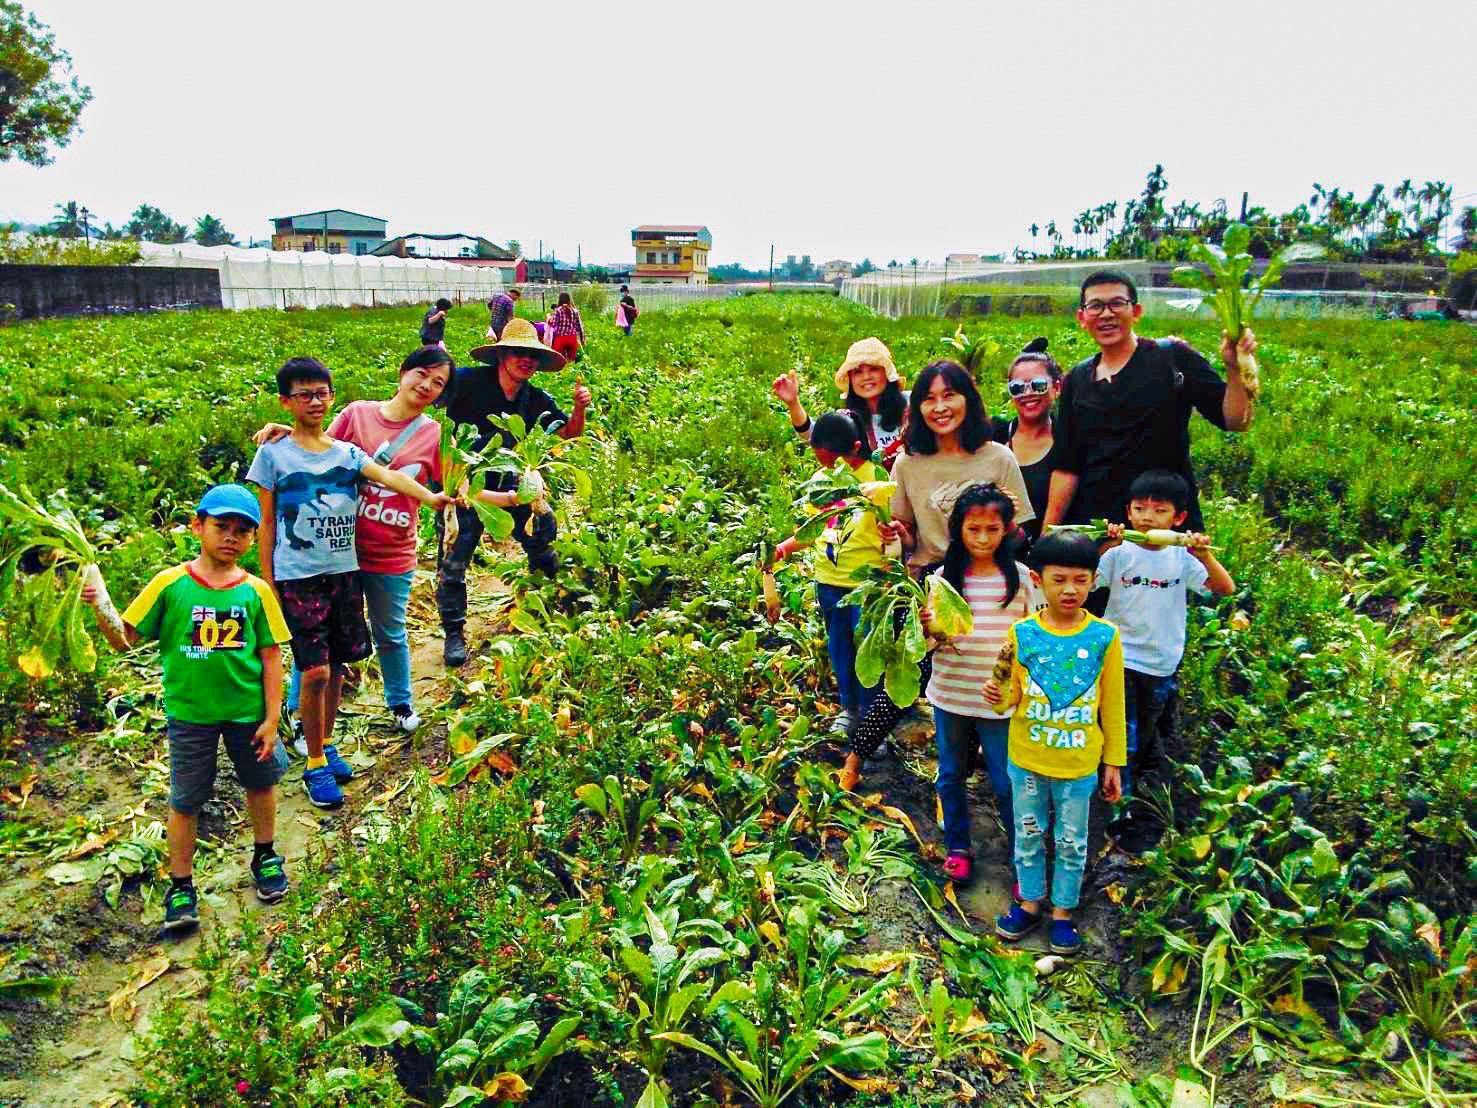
(961, 667)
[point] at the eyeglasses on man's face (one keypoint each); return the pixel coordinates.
(310, 395)
(1116, 305)
(1036, 386)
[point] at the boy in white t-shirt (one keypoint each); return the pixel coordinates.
(1148, 590)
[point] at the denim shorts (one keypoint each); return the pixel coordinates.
(192, 758)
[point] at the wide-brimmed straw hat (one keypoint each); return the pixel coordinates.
(868, 351)
(519, 335)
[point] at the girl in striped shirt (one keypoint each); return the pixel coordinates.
(998, 592)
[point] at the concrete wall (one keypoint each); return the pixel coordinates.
(29, 291)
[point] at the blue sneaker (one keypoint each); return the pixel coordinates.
(1063, 938)
(342, 771)
(321, 788)
(1017, 923)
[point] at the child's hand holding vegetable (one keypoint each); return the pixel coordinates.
(993, 692)
(896, 530)
(1114, 538)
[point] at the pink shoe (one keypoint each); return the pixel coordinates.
(959, 867)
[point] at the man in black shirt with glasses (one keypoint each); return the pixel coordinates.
(1126, 410)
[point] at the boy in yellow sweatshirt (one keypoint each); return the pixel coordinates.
(1066, 685)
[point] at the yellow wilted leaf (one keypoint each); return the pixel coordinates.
(1200, 844)
(971, 1023)
(460, 741)
(1169, 975)
(1430, 934)
(954, 900)
(120, 1004)
(501, 762)
(506, 1086)
(902, 817)
(1293, 1004)
(700, 789)
(34, 664)
(864, 1084)
(1115, 892)
(771, 931)
(767, 883)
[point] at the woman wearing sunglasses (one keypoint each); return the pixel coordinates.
(1033, 382)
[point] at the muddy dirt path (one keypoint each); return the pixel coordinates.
(76, 1051)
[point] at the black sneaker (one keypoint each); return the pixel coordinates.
(454, 653)
(270, 877)
(181, 910)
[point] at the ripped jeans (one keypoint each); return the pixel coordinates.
(1036, 799)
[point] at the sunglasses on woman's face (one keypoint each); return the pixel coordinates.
(1036, 386)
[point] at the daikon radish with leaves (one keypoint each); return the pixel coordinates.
(1234, 290)
(45, 560)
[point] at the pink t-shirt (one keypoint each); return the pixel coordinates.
(384, 536)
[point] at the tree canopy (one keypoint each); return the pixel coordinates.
(40, 100)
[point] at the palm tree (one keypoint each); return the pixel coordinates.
(68, 221)
(210, 231)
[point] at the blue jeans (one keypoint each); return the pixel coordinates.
(841, 644)
(1036, 798)
(386, 595)
(958, 737)
(1145, 699)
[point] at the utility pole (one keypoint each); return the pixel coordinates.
(1243, 207)
(771, 267)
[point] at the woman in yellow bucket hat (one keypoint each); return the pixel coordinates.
(870, 387)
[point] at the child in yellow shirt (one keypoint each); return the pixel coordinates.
(1066, 685)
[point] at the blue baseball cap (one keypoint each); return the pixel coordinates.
(231, 500)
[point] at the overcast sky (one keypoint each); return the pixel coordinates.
(849, 129)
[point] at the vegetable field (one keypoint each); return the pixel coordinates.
(615, 868)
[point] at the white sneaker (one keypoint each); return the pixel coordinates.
(405, 717)
(841, 724)
(299, 743)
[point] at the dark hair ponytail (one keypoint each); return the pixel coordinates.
(956, 559)
(1035, 353)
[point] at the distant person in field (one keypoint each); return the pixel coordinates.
(871, 389)
(502, 307)
(220, 632)
(625, 311)
(433, 326)
(399, 434)
(501, 387)
(1126, 409)
(566, 329)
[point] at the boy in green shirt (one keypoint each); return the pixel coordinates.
(218, 629)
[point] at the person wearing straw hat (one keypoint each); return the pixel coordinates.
(871, 388)
(501, 386)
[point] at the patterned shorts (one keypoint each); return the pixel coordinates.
(326, 617)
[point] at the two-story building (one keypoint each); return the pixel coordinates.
(334, 230)
(836, 269)
(671, 254)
